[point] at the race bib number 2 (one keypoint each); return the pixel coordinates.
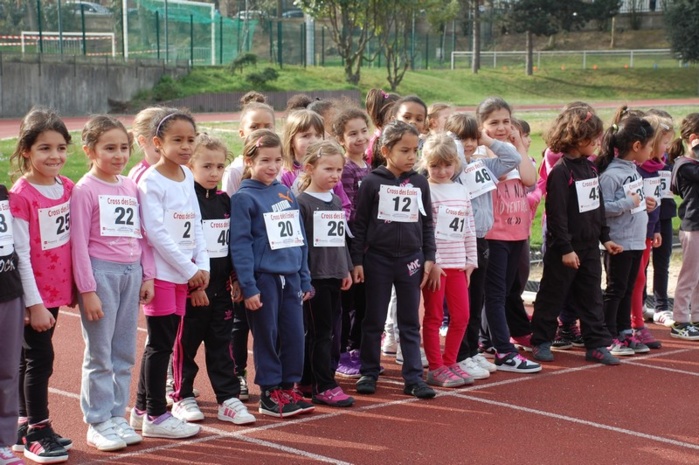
(54, 226)
(283, 229)
(180, 225)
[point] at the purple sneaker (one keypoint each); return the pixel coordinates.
(348, 365)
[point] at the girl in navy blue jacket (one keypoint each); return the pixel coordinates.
(270, 257)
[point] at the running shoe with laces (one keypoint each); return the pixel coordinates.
(7, 457)
(187, 409)
(103, 436)
(234, 411)
(620, 348)
(41, 446)
(484, 363)
(275, 403)
(244, 390)
(542, 352)
(125, 431)
(601, 355)
(573, 334)
(420, 390)
(560, 341)
(296, 397)
(168, 427)
(686, 331)
(473, 369)
(334, 397)
(461, 373)
(637, 346)
(444, 377)
(515, 363)
(22, 433)
(664, 318)
(646, 337)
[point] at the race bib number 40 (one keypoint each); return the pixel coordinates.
(54, 226)
(329, 229)
(399, 204)
(451, 223)
(217, 234)
(637, 188)
(180, 225)
(283, 229)
(5, 224)
(588, 194)
(119, 216)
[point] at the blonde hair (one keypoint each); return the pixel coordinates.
(145, 121)
(299, 121)
(433, 111)
(440, 149)
(258, 139)
(661, 127)
(205, 141)
(316, 152)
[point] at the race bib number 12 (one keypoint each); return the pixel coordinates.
(399, 204)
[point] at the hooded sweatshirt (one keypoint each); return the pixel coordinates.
(392, 238)
(626, 229)
(250, 246)
(685, 183)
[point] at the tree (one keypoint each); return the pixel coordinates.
(476, 49)
(352, 26)
(394, 26)
(682, 28)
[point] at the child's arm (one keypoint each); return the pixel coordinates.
(471, 243)
(346, 204)
(616, 207)
(242, 243)
(507, 157)
(82, 210)
(557, 212)
(429, 246)
(362, 217)
(201, 256)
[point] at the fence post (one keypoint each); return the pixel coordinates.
(41, 36)
(157, 34)
(631, 60)
(191, 40)
(82, 24)
(584, 60)
(279, 43)
(538, 59)
(427, 51)
(220, 39)
(495, 59)
(322, 46)
(302, 30)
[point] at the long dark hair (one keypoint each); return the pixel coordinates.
(627, 129)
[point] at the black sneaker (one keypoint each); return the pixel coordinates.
(41, 446)
(244, 391)
(572, 333)
(296, 397)
(420, 390)
(560, 342)
(601, 355)
(22, 433)
(542, 352)
(366, 385)
(276, 403)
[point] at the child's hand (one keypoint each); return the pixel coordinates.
(651, 203)
(308, 295)
(200, 280)
(40, 318)
(426, 272)
(571, 260)
(485, 139)
(636, 199)
(657, 240)
(358, 274)
(434, 279)
(236, 293)
(346, 282)
(613, 248)
(92, 306)
(253, 303)
(469, 271)
(515, 138)
(198, 298)
(147, 292)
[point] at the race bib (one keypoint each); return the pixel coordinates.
(588, 194)
(217, 235)
(119, 216)
(478, 179)
(283, 229)
(451, 223)
(5, 224)
(329, 228)
(637, 187)
(54, 226)
(400, 204)
(665, 191)
(180, 226)
(652, 188)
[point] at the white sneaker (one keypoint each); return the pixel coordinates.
(423, 357)
(483, 362)
(168, 427)
(389, 346)
(136, 419)
(234, 411)
(169, 391)
(8, 458)
(664, 318)
(187, 410)
(125, 431)
(648, 312)
(103, 436)
(473, 369)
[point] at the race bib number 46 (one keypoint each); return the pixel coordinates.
(54, 226)
(329, 229)
(5, 224)
(217, 234)
(283, 229)
(400, 204)
(180, 225)
(588, 194)
(478, 179)
(119, 216)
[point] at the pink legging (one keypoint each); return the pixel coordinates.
(455, 287)
(637, 303)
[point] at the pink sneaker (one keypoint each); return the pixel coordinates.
(333, 397)
(8, 458)
(444, 377)
(522, 342)
(646, 337)
(461, 373)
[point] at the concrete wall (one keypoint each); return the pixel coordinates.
(73, 86)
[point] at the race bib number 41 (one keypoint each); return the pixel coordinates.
(283, 229)
(399, 204)
(329, 229)
(119, 216)
(54, 226)
(451, 223)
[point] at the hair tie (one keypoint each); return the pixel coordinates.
(320, 153)
(258, 144)
(588, 116)
(384, 95)
(615, 128)
(157, 129)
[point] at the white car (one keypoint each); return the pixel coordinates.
(91, 8)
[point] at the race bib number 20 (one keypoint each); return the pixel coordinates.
(283, 229)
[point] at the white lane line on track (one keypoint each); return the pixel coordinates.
(77, 315)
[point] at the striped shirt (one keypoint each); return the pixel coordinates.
(453, 254)
(352, 176)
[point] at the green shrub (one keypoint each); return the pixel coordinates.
(262, 78)
(166, 89)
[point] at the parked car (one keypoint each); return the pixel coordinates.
(91, 8)
(293, 13)
(250, 14)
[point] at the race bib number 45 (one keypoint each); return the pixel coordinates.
(283, 229)
(119, 216)
(328, 229)
(54, 226)
(400, 204)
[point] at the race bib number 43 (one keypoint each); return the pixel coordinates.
(54, 226)
(588, 194)
(119, 216)
(283, 229)
(328, 229)
(400, 204)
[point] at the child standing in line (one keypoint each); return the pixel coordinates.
(142, 132)
(172, 224)
(269, 253)
(456, 258)
(478, 175)
(209, 314)
(685, 183)
(575, 227)
(625, 144)
(394, 245)
(652, 184)
(330, 266)
(437, 115)
(351, 129)
(256, 115)
(11, 327)
(379, 106)
(112, 268)
(40, 205)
